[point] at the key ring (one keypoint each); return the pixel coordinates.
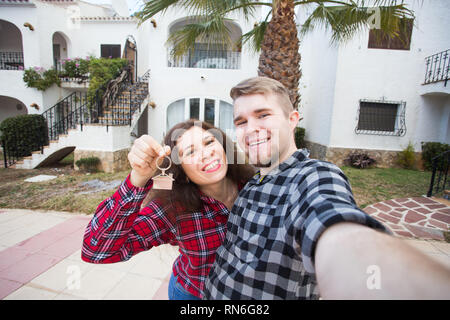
(163, 181)
(164, 169)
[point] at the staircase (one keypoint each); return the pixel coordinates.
(120, 111)
(66, 119)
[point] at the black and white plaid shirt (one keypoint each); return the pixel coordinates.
(273, 229)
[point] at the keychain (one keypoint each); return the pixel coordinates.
(163, 181)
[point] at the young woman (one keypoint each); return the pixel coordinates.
(192, 215)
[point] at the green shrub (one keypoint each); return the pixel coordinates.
(431, 150)
(75, 68)
(24, 134)
(41, 79)
(101, 71)
(407, 158)
(300, 137)
(89, 164)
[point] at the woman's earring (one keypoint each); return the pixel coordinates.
(187, 179)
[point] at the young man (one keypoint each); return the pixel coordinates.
(295, 231)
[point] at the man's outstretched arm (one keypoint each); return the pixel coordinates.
(356, 262)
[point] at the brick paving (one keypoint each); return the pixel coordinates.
(40, 253)
(418, 217)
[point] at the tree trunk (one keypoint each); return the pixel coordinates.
(280, 59)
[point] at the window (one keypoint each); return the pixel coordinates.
(110, 50)
(381, 118)
(378, 39)
(214, 111)
(175, 113)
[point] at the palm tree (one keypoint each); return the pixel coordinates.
(277, 39)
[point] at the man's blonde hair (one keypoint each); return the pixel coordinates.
(264, 85)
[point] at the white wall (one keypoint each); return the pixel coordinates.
(434, 119)
(167, 84)
(8, 108)
(317, 86)
(96, 138)
(363, 73)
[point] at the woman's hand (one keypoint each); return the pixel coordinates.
(142, 157)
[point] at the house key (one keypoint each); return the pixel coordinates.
(163, 181)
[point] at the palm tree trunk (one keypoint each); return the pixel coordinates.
(280, 59)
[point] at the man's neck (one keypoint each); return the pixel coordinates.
(283, 157)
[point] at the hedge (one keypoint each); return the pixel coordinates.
(24, 134)
(431, 150)
(300, 137)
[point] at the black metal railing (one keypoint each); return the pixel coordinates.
(11, 61)
(79, 109)
(10, 154)
(439, 175)
(59, 66)
(381, 117)
(438, 67)
(119, 110)
(210, 59)
(62, 116)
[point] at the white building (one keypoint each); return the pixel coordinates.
(38, 33)
(355, 96)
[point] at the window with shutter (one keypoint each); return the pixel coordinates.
(110, 50)
(378, 39)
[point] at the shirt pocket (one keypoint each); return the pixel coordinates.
(257, 230)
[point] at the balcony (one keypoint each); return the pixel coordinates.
(73, 80)
(437, 74)
(11, 61)
(209, 59)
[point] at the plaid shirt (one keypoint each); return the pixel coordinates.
(120, 229)
(273, 229)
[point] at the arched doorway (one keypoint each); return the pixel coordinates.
(11, 48)
(11, 107)
(130, 53)
(60, 49)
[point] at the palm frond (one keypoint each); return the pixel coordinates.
(255, 36)
(347, 20)
(198, 7)
(208, 30)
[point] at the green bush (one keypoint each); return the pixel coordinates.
(75, 68)
(431, 150)
(300, 137)
(407, 158)
(101, 71)
(40, 78)
(24, 134)
(89, 164)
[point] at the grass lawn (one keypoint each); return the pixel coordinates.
(62, 194)
(374, 185)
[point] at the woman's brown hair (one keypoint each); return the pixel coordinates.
(184, 191)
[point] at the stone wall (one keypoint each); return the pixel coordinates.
(383, 158)
(109, 161)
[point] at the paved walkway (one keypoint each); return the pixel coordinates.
(40, 259)
(419, 217)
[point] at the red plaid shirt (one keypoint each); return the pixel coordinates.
(120, 229)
